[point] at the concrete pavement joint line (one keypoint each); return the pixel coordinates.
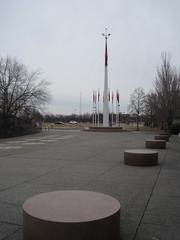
(10, 223)
(29, 180)
(99, 153)
(37, 143)
(56, 170)
(10, 235)
(10, 204)
(99, 176)
(10, 147)
(164, 225)
(26, 150)
(155, 183)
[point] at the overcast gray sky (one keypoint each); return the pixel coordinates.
(63, 39)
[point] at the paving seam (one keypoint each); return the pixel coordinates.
(10, 235)
(164, 225)
(154, 185)
(114, 165)
(32, 179)
(74, 163)
(28, 181)
(10, 223)
(99, 176)
(10, 204)
(5, 154)
(26, 151)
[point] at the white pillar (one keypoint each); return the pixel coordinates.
(112, 118)
(106, 100)
(106, 93)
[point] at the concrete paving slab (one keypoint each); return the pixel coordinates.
(30, 168)
(10, 214)
(130, 219)
(18, 194)
(11, 180)
(127, 193)
(163, 210)
(68, 180)
(168, 187)
(7, 230)
(129, 174)
(18, 235)
(93, 161)
(88, 167)
(158, 232)
(169, 174)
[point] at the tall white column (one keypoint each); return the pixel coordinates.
(106, 100)
(105, 96)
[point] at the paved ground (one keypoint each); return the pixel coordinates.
(58, 160)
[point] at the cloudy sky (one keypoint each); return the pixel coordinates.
(64, 39)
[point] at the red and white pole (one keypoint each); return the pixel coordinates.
(106, 100)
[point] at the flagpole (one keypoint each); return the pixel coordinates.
(112, 109)
(106, 102)
(80, 105)
(117, 108)
(98, 106)
(119, 113)
(116, 113)
(93, 110)
(118, 105)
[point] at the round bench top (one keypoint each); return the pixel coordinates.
(140, 151)
(71, 206)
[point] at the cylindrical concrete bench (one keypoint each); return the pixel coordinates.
(71, 215)
(167, 134)
(162, 137)
(140, 157)
(155, 144)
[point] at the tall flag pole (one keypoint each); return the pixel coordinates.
(106, 102)
(112, 120)
(117, 108)
(95, 112)
(98, 106)
(80, 105)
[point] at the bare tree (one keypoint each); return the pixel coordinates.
(167, 86)
(152, 107)
(149, 109)
(20, 89)
(137, 103)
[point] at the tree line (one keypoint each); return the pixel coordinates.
(160, 104)
(22, 93)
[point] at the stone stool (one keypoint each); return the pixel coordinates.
(71, 215)
(140, 157)
(162, 137)
(155, 144)
(168, 134)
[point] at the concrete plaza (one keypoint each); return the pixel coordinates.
(72, 159)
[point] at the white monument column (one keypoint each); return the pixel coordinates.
(105, 95)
